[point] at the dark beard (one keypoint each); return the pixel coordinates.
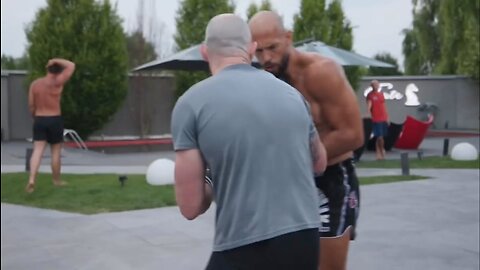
(282, 70)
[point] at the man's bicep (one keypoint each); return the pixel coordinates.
(189, 166)
(313, 146)
(338, 102)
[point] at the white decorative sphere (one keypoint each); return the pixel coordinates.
(464, 151)
(161, 172)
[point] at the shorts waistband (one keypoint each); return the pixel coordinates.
(347, 163)
(47, 117)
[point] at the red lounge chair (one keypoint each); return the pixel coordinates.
(413, 133)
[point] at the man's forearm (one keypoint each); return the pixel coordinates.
(68, 66)
(339, 142)
(63, 62)
(318, 153)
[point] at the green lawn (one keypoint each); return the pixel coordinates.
(389, 179)
(88, 194)
(424, 163)
(97, 193)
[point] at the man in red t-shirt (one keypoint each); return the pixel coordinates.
(378, 110)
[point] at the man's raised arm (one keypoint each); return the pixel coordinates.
(68, 69)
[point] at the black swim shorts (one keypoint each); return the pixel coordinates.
(48, 128)
(339, 195)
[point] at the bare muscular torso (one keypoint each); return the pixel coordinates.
(45, 97)
(312, 76)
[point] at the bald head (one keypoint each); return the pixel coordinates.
(273, 42)
(227, 35)
(266, 21)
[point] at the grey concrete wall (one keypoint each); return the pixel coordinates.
(19, 118)
(467, 104)
(4, 104)
(148, 107)
(456, 97)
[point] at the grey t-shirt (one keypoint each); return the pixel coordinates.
(253, 131)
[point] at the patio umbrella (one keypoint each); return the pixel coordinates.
(190, 59)
(342, 57)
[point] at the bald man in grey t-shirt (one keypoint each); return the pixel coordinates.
(255, 134)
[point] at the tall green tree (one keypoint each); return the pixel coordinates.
(12, 63)
(191, 20)
(427, 32)
(146, 41)
(414, 63)
(379, 71)
(141, 47)
(329, 25)
(140, 50)
(8, 62)
(444, 38)
(459, 37)
(254, 8)
(311, 21)
(90, 34)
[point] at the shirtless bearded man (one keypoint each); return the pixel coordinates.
(337, 118)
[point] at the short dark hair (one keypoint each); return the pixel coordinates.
(55, 69)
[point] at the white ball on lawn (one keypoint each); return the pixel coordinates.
(160, 172)
(464, 151)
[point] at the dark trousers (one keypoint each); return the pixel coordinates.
(297, 250)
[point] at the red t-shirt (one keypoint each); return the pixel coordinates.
(379, 110)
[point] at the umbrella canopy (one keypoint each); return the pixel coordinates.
(191, 58)
(188, 59)
(342, 57)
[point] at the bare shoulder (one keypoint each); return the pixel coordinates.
(321, 65)
(325, 77)
(36, 83)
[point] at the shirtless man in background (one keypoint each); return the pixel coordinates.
(44, 103)
(337, 118)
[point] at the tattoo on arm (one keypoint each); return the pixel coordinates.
(316, 155)
(314, 148)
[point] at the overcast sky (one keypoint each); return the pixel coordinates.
(378, 23)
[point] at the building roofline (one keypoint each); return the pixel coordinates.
(13, 72)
